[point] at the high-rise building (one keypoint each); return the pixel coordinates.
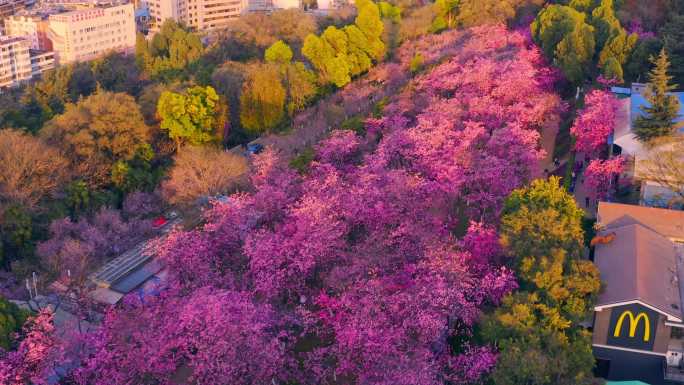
(86, 34)
(33, 26)
(15, 61)
(201, 15)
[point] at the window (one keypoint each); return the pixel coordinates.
(677, 333)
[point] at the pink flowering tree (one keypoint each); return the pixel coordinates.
(34, 360)
(370, 269)
(600, 176)
(595, 122)
(211, 336)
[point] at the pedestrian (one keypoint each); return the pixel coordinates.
(586, 202)
(546, 172)
(556, 162)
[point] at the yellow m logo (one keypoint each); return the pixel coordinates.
(633, 323)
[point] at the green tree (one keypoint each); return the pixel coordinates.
(564, 36)
(659, 117)
(331, 67)
(583, 5)
(97, 132)
(82, 81)
(540, 218)
(389, 11)
(143, 57)
(638, 63)
(136, 174)
(360, 50)
(605, 22)
(446, 11)
(672, 36)
(301, 87)
(171, 51)
(612, 40)
(613, 70)
(117, 73)
(190, 117)
(16, 235)
(575, 52)
(537, 329)
(11, 320)
(536, 346)
(278, 53)
(369, 22)
(262, 102)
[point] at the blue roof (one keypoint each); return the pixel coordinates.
(621, 90)
(140, 12)
(638, 100)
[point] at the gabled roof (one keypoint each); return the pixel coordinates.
(639, 265)
(668, 223)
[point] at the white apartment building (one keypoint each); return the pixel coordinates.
(15, 61)
(88, 33)
(32, 26)
(201, 15)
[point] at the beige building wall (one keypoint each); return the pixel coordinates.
(201, 15)
(90, 33)
(162, 10)
(15, 61)
(206, 15)
(35, 28)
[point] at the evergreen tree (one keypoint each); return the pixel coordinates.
(565, 37)
(659, 117)
(613, 70)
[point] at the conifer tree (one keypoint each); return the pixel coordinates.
(659, 117)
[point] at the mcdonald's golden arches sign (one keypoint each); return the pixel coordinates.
(632, 326)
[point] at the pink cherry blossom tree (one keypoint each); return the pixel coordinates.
(600, 176)
(34, 360)
(595, 122)
(370, 269)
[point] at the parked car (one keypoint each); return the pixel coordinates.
(254, 148)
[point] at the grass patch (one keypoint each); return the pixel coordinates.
(302, 161)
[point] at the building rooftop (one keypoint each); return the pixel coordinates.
(644, 262)
(639, 265)
(668, 223)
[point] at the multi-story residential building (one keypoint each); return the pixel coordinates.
(201, 15)
(33, 26)
(41, 62)
(15, 61)
(89, 33)
(10, 7)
